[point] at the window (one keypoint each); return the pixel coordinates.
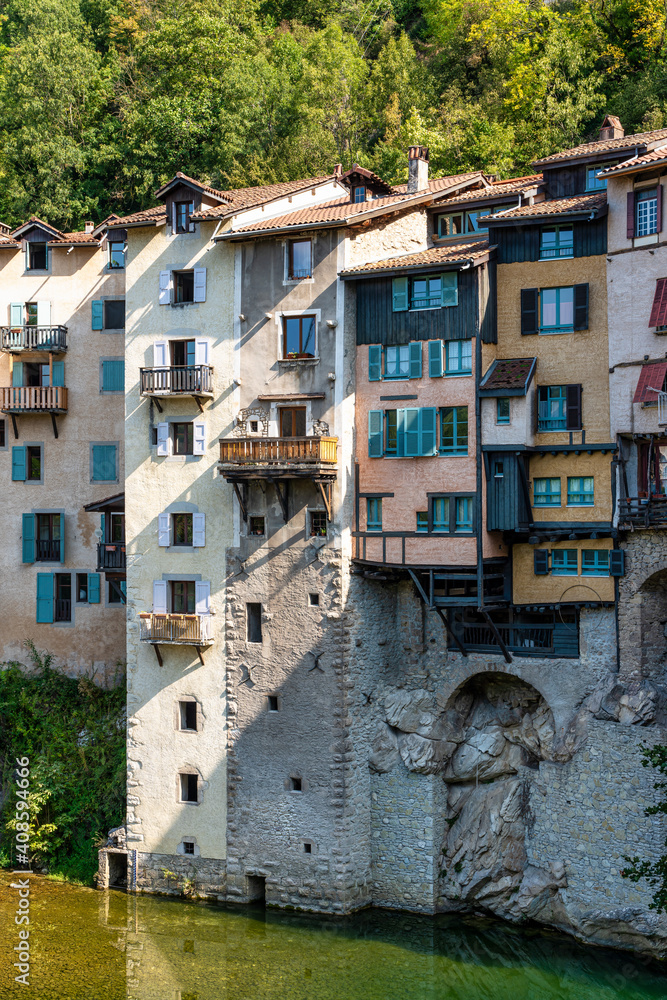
(183, 438)
(189, 788)
(183, 597)
(458, 354)
(564, 562)
(182, 353)
(559, 408)
(117, 528)
(253, 622)
(254, 426)
(188, 715)
(440, 507)
(593, 182)
(595, 562)
(397, 361)
(546, 492)
(557, 310)
(33, 470)
(293, 421)
(34, 374)
(454, 430)
(299, 259)
(182, 211)
(374, 514)
(404, 433)
(114, 314)
(31, 314)
(466, 222)
(646, 212)
(391, 425)
(556, 242)
(116, 591)
(256, 526)
(182, 529)
(37, 257)
(103, 463)
(273, 703)
(116, 254)
(498, 472)
(62, 611)
(358, 194)
(314, 600)
(113, 375)
(434, 291)
(580, 491)
(82, 588)
(184, 286)
(449, 515)
(296, 785)
(503, 410)
(318, 523)
(464, 515)
(188, 847)
(401, 361)
(422, 520)
(298, 337)
(47, 547)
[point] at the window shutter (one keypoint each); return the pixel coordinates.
(201, 352)
(198, 530)
(659, 308)
(163, 439)
(93, 588)
(416, 359)
(104, 462)
(617, 562)
(573, 408)
(16, 314)
(581, 307)
(427, 418)
(541, 562)
(159, 597)
(630, 218)
(202, 597)
(198, 438)
(58, 373)
(529, 311)
(659, 206)
(375, 420)
(435, 358)
(374, 363)
(449, 289)
(200, 284)
(17, 373)
(29, 538)
(173, 217)
(44, 597)
(163, 532)
(399, 292)
(97, 308)
(113, 375)
(18, 463)
(164, 295)
(160, 354)
(43, 313)
(61, 523)
(410, 431)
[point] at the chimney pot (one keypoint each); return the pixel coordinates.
(611, 128)
(417, 169)
(88, 227)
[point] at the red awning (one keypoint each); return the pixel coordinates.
(651, 377)
(659, 309)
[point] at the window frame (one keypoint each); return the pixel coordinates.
(563, 400)
(565, 566)
(456, 449)
(59, 580)
(111, 262)
(450, 523)
(503, 421)
(397, 373)
(571, 492)
(189, 207)
(29, 255)
(188, 526)
(28, 449)
(374, 514)
(189, 593)
(291, 273)
(558, 327)
(596, 569)
(600, 183)
(643, 196)
(457, 372)
(111, 302)
(177, 279)
(189, 436)
(548, 493)
(321, 515)
(556, 252)
(299, 355)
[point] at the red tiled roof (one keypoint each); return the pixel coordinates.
(457, 253)
(192, 180)
(509, 374)
(637, 162)
(374, 179)
(436, 184)
(604, 145)
(35, 221)
(86, 238)
(156, 214)
(651, 381)
(558, 206)
(243, 198)
(497, 189)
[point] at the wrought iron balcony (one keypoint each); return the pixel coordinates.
(289, 456)
(180, 380)
(33, 399)
(172, 629)
(47, 550)
(111, 557)
(33, 338)
(643, 512)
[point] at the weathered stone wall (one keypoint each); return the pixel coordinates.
(176, 875)
(642, 608)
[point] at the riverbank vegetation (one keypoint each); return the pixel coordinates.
(73, 733)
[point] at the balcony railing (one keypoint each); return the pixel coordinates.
(47, 550)
(33, 399)
(62, 610)
(291, 451)
(170, 628)
(111, 556)
(33, 338)
(643, 512)
(185, 380)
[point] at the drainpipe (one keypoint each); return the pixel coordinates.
(478, 463)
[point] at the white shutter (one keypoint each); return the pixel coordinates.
(159, 597)
(200, 284)
(198, 530)
(163, 526)
(163, 439)
(173, 217)
(202, 597)
(201, 352)
(199, 438)
(164, 297)
(160, 354)
(43, 313)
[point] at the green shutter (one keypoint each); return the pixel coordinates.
(410, 431)
(449, 288)
(427, 418)
(399, 289)
(113, 375)
(416, 359)
(97, 314)
(29, 539)
(102, 527)
(617, 562)
(58, 373)
(541, 562)
(104, 462)
(375, 433)
(374, 363)
(123, 590)
(45, 597)
(18, 463)
(17, 373)
(93, 588)
(435, 358)
(16, 314)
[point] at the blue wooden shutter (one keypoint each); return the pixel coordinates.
(93, 588)
(411, 434)
(16, 314)
(58, 373)
(113, 375)
(18, 463)
(29, 538)
(374, 363)
(104, 462)
(427, 418)
(529, 311)
(581, 307)
(416, 359)
(617, 562)
(97, 307)
(399, 294)
(17, 373)
(541, 560)
(102, 527)
(45, 597)
(375, 433)
(435, 358)
(449, 289)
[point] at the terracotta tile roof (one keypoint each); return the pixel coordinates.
(497, 189)
(651, 381)
(250, 197)
(655, 156)
(85, 238)
(558, 206)
(604, 145)
(436, 184)
(156, 214)
(179, 176)
(374, 179)
(8, 243)
(457, 253)
(508, 375)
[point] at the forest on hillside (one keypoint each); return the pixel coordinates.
(102, 100)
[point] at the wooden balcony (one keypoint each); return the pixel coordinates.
(176, 630)
(187, 380)
(111, 557)
(33, 399)
(290, 457)
(643, 512)
(33, 338)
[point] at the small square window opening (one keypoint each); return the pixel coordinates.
(184, 286)
(189, 788)
(503, 410)
(314, 600)
(256, 526)
(273, 702)
(188, 847)
(254, 622)
(307, 848)
(188, 715)
(318, 524)
(295, 785)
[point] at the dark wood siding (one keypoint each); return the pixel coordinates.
(37, 235)
(517, 244)
(507, 509)
(564, 182)
(487, 302)
(378, 324)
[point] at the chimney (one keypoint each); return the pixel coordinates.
(417, 169)
(88, 227)
(611, 128)
(338, 170)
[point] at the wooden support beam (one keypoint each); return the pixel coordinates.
(55, 426)
(499, 638)
(198, 401)
(419, 587)
(157, 653)
(326, 495)
(242, 499)
(157, 403)
(282, 498)
(15, 426)
(199, 653)
(450, 630)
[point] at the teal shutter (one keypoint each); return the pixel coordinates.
(16, 314)
(399, 289)
(113, 375)
(45, 597)
(410, 431)
(18, 463)
(29, 539)
(427, 418)
(104, 462)
(617, 562)
(374, 363)
(416, 359)
(123, 590)
(449, 289)
(61, 528)
(435, 358)
(541, 562)
(102, 527)
(58, 373)
(17, 373)
(93, 588)
(375, 433)
(97, 314)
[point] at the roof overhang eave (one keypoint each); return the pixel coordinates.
(585, 215)
(443, 265)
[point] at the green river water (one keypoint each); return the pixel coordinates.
(88, 945)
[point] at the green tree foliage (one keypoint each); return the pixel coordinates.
(655, 872)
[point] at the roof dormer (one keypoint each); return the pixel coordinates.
(364, 185)
(611, 128)
(183, 196)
